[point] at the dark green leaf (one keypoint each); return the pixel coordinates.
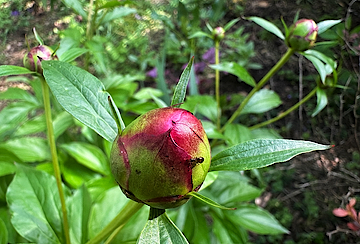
(13, 70)
(89, 156)
(180, 89)
(268, 26)
(161, 230)
(262, 101)
(261, 153)
(35, 205)
(255, 219)
(322, 101)
(326, 24)
(79, 206)
(237, 70)
(68, 84)
(4, 233)
(208, 201)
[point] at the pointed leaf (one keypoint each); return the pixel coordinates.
(261, 153)
(322, 101)
(13, 70)
(35, 205)
(82, 95)
(208, 201)
(7, 168)
(326, 24)
(38, 37)
(237, 70)
(71, 54)
(89, 156)
(76, 6)
(268, 26)
(199, 34)
(161, 230)
(230, 24)
(262, 101)
(4, 233)
(180, 89)
(319, 65)
(257, 220)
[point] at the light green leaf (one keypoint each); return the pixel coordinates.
(319, 65)
(261, 153)
(208, 201)
(199, 34)
(237, 133)
(72, 53)
(202, 104)
(88, 155)
(79, 206)
(237, 70)
(322, 101)
(180, 89)
(68, 84)
(326, 24)
(322, 57)
(35, 206)
(38, 37)
(28, 149)
(14, 93)
(145, 93)
(62, 122)
(262, 101)
(268, 26)
(255, 219)
(231, 23)
(76, 6)
(210, 178)
(161, 230)
(117, 13)
(7, 168)
(13, 70)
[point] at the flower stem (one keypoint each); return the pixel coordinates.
(55, 162)
(282, 115)
(127, 212)
(217, 83)
(259, 85)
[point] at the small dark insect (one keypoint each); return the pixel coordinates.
(196, 161)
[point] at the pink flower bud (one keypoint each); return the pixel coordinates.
(160, 157)
(218, 33)
(32, 60)
(302, 35)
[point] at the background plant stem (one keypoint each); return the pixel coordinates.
(55, 162)
(282, 115)
(121, 219)
(217, 84)
(259, 85)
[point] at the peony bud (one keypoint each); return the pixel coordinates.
(32, 59)
(302, 35)
(160, 157)
(218, 33)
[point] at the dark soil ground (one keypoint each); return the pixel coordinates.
(302, 192)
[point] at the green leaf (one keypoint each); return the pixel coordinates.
(262, 101)
(13, 70)
(231, 23)
(38, 37)
(35, 206)
(114, 3)
(200, 34)
(210, 178)
(261, 153)
(4, 233)
(322, 57)
(68, 84)
(255, 219)
(79, 206)
(319, 65)
(88, 155)
(237, 133)
(268, 26)
(237, 70)
(28, 149)
(203, 104)
(161, 230)
(326, 24)
(117, 13)
(76, 6)
(208, 201)
(7, 168)
(322, 101)
(180, 89)
(71, 54)
(14, 93)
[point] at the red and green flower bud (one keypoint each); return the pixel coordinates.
(218, 33)
(160, 157)
(302, 35)
(32, 59)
